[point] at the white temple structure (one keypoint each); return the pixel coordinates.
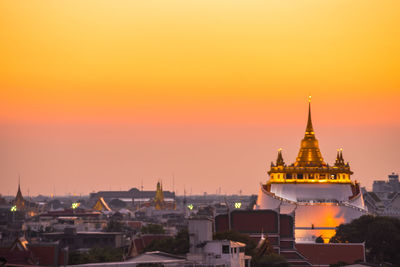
(319, 195)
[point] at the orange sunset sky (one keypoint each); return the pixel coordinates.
(99, 95)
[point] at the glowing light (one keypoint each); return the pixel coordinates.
(190, 206)
(13, 208)
(309, 99)
(75, 205)
(238, 205)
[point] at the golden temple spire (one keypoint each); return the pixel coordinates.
(309, 154)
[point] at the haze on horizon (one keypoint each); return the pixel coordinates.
(100, 95)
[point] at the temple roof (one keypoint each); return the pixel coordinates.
(309, 154)
(101, 205)
(309, 162)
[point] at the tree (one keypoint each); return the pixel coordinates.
(380, 234)
(95, 255)
(114, 225)
(319, 239)
(153, 229)
(174, 245)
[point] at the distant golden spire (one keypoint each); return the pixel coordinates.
(159, 198)
(19, 200)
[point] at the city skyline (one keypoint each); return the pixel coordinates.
(170, 182)
(99, 95)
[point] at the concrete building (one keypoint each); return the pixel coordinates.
(205, 251)
(384, 199)
(383, 188)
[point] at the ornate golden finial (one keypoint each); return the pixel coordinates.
(337, 161)
(279, 160)
(309, 128)
(339, 158)
(309, 154)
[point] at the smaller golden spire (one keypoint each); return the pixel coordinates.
(279, 160)
(341, 156)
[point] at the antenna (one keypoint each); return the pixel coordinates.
(173, 182)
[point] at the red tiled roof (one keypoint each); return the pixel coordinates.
(325, 254)
(17, 257)
(48, 254)
(43, 255)
(134, 224)
(249, 221)
(255, 221)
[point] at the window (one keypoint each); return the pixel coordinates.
(225, 249)
(299, 176)
(288, 176)
(241, 249)
(311, 176)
